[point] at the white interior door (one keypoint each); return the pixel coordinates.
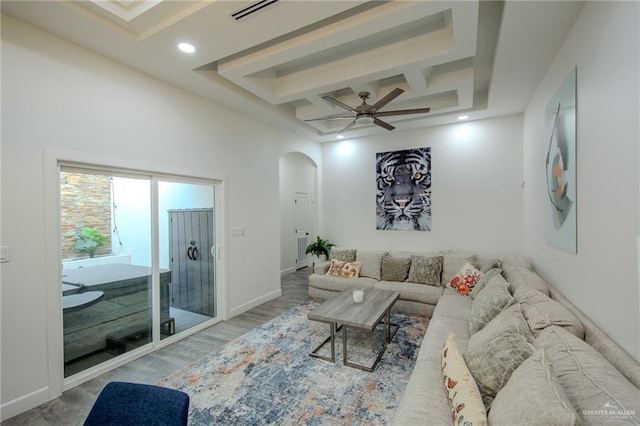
(302, 224)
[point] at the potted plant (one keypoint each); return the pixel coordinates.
(89, 240)
(320, 247)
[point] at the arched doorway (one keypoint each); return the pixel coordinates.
(298, 209)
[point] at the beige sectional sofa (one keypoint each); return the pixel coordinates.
(526, 355)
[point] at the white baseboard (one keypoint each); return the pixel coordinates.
(287, 271)
(253, 303)
(24, 403)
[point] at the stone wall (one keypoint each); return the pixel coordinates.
(85, 200)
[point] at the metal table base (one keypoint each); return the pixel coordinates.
(333, 329)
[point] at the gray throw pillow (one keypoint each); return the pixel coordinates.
(492, 363)
(509, 320)
(425, 270)
(483, 280)
(342, 254)
(492, 300)
(395, 268)
(533, 396)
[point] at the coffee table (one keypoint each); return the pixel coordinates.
(341, 310)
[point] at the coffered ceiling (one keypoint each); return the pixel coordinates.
(275, 64)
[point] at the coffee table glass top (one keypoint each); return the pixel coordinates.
(342, 310)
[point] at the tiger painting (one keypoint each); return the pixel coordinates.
(403, 196)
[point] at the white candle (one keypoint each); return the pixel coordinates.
(358, 296)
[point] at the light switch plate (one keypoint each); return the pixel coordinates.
(4, 253)
(236, 232)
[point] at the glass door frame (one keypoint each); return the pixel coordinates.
(52, 165)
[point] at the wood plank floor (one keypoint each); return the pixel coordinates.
(73, 406)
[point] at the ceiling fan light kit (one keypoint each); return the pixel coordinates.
(365, 119)
(365, 114)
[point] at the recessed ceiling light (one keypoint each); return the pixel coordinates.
(340, 137)
(186, 47)
(463, 117)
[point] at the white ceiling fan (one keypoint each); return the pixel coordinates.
(365, 114)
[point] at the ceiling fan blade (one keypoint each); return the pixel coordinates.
(350, 125)
(403, 112)
(383, 124)
(337, 117)
(385, 100)
(340, 104)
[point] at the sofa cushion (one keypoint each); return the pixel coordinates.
(424, 400)
(483, 280)
(452, 305)
(541, 311)
(593, 385)
(493, 362)
(394, 268)
(465, 279)
(371, 263)
(331, 283)
(533, 396)
(515, 260)
(519, 276)
(492, 300)
(425, 270)
(461, 389)
(339, 268)
(488, 264)
(509, 320)
(451, 264)
(412, 291)
(341, 253)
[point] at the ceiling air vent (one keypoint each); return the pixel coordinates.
(252, 8)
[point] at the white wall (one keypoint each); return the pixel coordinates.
(60, 100)
(476, 197)
(298, 173)
(602, 278)
(132, 216)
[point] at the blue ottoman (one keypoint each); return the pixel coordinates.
(129, 404)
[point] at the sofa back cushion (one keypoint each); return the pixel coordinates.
(598, 391)
(533, 395)
(425, 270)
(371, 263)
(521, 276)
(541, 311)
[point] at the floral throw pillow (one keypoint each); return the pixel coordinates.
(466, 278)
(340, 268)
(460, 387)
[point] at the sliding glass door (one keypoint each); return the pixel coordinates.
(113, 295)
(188, 250)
